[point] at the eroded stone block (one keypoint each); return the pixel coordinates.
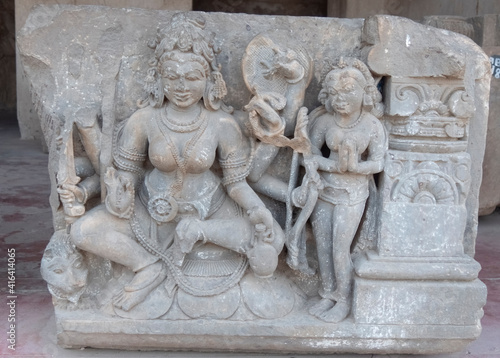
(428, 303)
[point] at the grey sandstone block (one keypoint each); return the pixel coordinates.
(230, 182)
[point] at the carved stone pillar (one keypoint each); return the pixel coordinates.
(419, 260)
(421, 273)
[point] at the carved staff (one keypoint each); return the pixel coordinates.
(292, 183)
(296, 258)
(311, 186)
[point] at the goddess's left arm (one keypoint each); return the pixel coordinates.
(234, 154)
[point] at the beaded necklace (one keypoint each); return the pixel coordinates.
(352, 125)
(180, 127)
(181, 159)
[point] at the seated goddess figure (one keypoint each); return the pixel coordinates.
(165, 202)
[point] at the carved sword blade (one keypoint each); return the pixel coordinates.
(66, 173)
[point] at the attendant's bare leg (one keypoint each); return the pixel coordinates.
(321, 221)
(345, 224)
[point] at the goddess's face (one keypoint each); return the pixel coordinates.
(345, 94)
(183, 82)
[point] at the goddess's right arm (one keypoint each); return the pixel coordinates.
(131, 148)
(129, 157)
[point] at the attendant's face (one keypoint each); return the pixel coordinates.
(183, 81)
(345, 94)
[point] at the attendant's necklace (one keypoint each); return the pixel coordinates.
(352, 125)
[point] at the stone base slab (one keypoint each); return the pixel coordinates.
(398, 302)
(374, 266)
(291, 335)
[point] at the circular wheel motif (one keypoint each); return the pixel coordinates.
(163, 208)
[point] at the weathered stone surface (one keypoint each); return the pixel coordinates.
(159, 228)
(458, 24)
(439, 298)
(398, 51)
(29, 123)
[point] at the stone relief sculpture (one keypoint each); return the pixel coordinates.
(178, 219)
(286, 186)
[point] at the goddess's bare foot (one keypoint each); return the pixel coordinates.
(322, 306)
(144, 277)
(188, 232)
(138, 289)
(337, 314)
(128, 300)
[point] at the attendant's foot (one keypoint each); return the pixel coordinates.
(306, 269)
(322, 306)
(292, 261)
(337, 314)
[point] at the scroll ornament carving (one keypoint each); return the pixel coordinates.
(421, 111)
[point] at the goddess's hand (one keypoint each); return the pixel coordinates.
(73, 199)
(261, 215)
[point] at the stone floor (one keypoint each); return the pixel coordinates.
(25, 225)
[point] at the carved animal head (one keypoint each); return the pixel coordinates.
(64, 268)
